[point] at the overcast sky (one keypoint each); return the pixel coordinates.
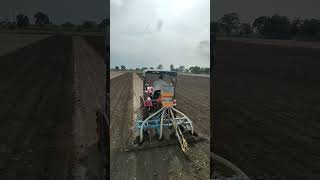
(59, 11)
(152, 32)
(250, 9)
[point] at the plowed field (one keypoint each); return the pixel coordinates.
(266, 109)
(41, 135)
(36, 110)
(166, 162)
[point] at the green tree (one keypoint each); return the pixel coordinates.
(171, 67)
(104, 23)
(277, 27)
(195, 69)
(206, 70)
(311, 27)
(245, 28)
(123, 68)
(296, 26)
(89, 24)
(117, 68)
(230, 22)
(160, 67)
(41, 19)
(67, 25)
(258, 23)
(181, 68)
(22, 20)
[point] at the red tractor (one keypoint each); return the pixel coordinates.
(158, 107)
(153, 82)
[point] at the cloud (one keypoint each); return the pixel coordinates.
(159, 25)
(204, 44)
(117, 2)
(139, 37)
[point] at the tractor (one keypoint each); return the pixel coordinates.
(159, 107)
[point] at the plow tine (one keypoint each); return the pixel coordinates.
(185, 117)
(182, 140)
(141, 130)
(161, 123)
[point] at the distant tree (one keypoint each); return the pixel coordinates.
(123, 68)
(143, 68)
(2, 24)
(117, 68)
(151, 68)
(296, 26)
(311, 27)
(22, 20)
(104, 23)
(67, 25)
(187, 70)
(195, 70)
(181, 68)
(41, 19)
(160, 67)
(230, 22)
(277, 27)
(171, 67)
(245, 28)
(89, 24)
(258, 23)
(206, 70)
(6, 23)
(216, 27)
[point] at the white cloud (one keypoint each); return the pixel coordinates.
(117, 2)
(152, 32)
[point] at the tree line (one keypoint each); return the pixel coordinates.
(42, 20)
(180, 69)
(276, 26)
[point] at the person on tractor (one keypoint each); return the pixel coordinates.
(157, 86)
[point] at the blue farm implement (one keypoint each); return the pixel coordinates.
(159, 110)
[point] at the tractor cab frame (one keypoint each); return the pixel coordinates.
(152, 104)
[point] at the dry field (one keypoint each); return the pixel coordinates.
(166, 162)
(40, 134)
(114, 74)
(266, 109)
(36, 110)
(12, 42)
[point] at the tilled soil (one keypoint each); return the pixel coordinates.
(90, 87)
(114, 74)
(36, 110)
(166, 162)
(10, 42)
(266, 109)
(99, 43)
(193, 99)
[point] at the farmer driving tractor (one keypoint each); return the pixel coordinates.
(157, 86)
